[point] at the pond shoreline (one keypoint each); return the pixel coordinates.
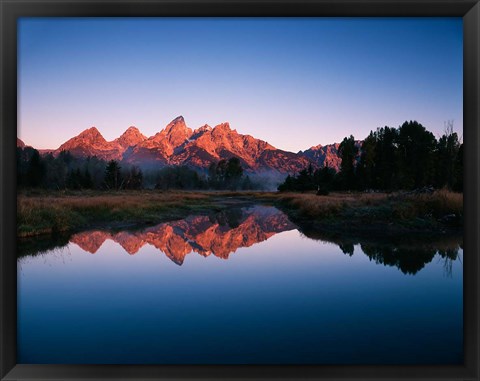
(360, 214)
(242, 224)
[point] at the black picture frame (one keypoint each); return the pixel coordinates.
(13, 9)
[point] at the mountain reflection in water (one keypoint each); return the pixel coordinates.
(223, 233)
(220, 234)
(286, 295)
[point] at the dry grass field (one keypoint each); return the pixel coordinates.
(55, 212)
(402, 205)
(41, 213)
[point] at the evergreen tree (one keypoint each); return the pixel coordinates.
(447, 151)
(287, 185)
(348, 152)
(87, 182)
(21, 167)
(304, 180)
(36, 170)
(385, 168)
(212, 175)
(113, 176)
(366, 167)
(324, 179)
(226, 174)
(74, 179)
(233, 173)
(133, 178)
(416, 147)
(458, 171)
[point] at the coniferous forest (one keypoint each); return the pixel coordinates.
(404, 158)
(67, 172)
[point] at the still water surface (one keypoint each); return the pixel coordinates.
(243, 287)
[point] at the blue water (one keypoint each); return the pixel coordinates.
(283, 299)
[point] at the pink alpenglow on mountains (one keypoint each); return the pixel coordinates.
(91, 143)
(131, 137)
(177, 144)
(327, 155)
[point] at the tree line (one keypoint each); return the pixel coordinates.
(221, 175)
(408, 157)
(66, 171)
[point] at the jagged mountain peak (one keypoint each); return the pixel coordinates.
(176, 124)
(200, 131)
(89, 136)
(177, 129)
(131, 137)
(178, 119)
(317, 147)
(90, 142)
(204, 128)
(92, 131)
(131, 129)
(222, 127)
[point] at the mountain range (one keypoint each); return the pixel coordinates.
(177, 144)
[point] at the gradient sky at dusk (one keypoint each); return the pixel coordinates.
(293, 82)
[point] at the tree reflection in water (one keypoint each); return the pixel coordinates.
(223, 233)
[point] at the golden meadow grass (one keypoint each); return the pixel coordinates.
(315, 206)
(39, 213)
(393, 207)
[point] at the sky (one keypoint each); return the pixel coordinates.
(293, 82)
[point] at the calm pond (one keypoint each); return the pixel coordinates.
(239, 287)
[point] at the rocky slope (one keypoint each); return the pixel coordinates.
(131, 137)
(91, 143)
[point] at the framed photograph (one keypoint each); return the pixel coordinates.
(239, 190)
